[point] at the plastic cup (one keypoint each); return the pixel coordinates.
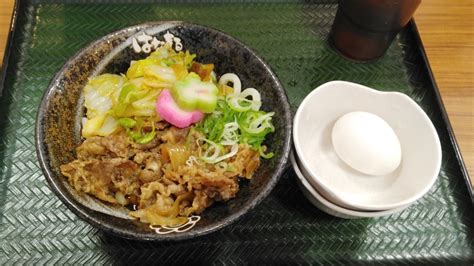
(364, 29)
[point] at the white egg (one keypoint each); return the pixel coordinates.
(366, 143)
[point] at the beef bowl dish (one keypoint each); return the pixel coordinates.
(163, 131)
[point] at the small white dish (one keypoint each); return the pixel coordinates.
(345, 186)
(330, 208)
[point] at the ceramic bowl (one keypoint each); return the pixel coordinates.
(318, 200)
(58, 122)
(337, 181)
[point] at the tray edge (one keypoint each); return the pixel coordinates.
(444, 113)
(8, 45)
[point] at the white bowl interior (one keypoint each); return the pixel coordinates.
(330, 208)
(421, 149)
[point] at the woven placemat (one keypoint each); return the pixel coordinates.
(35, 227)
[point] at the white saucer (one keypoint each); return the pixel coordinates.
(338, 182)
(330, 208)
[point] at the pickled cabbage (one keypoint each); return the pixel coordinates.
(109, 97)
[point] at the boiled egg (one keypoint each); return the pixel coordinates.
(366, 143)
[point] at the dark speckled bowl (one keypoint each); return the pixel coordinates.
(58, 123)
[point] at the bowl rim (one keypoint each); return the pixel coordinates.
(82, 211)
(350, 85)
(344, 213)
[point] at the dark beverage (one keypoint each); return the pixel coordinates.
(364, 29)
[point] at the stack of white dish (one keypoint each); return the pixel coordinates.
(361, 153)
